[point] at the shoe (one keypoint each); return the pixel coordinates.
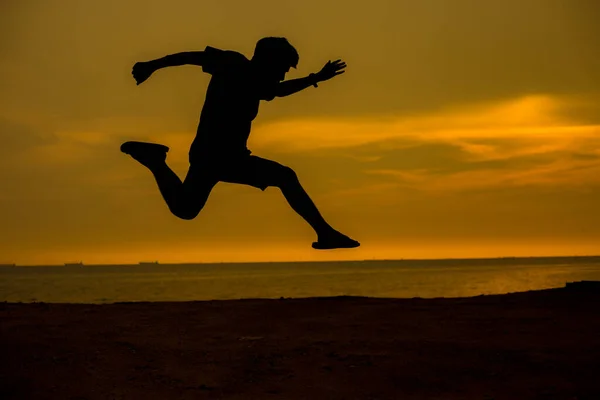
(147, 154)
(336, 240)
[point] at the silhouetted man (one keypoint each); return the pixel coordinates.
(219, 152)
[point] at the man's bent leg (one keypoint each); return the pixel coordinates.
(261, 173)
(184, 199)
(300, 201)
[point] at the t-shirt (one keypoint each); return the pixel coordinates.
(231, 103)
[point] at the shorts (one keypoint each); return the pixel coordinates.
(244, 169)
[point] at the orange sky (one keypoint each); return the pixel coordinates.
(460, 129)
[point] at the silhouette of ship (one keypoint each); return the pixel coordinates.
(73, 264)
(8, 265)
(148, 263)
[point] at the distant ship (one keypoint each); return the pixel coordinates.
(148, 262)
(8, 265)
(73, 264)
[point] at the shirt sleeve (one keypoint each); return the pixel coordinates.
(217, 61)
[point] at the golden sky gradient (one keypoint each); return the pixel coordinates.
(460, 129)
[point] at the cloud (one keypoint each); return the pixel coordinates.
(560, 173)
(525, 141)
(17, 137)
(526, 118)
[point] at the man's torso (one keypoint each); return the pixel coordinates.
(231, 104)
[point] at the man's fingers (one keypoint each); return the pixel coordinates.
(334, 62)
(338, 65)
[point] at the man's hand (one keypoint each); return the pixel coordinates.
(330, 70)
(142, 71)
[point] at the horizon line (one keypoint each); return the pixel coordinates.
(145, 263)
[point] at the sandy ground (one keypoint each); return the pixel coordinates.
(534, 345)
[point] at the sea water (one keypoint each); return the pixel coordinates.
(393, 278)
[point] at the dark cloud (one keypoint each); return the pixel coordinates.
(585, 156)
(18, 137)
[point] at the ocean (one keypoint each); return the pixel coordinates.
(383, 278)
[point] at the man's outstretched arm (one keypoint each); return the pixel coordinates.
(184, 58)
(142, 70)
(292, 86)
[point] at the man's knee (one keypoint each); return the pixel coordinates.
(287, 176)
(187, 215)
(186, 212)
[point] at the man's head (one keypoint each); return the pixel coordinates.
(274, 57)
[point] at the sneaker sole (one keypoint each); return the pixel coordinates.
(126, 147)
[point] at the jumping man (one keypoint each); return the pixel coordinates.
(219, 152)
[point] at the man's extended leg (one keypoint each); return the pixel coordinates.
(260, 173)
(184, 199)
(300, 201)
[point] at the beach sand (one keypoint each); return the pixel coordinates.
(534, 345)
